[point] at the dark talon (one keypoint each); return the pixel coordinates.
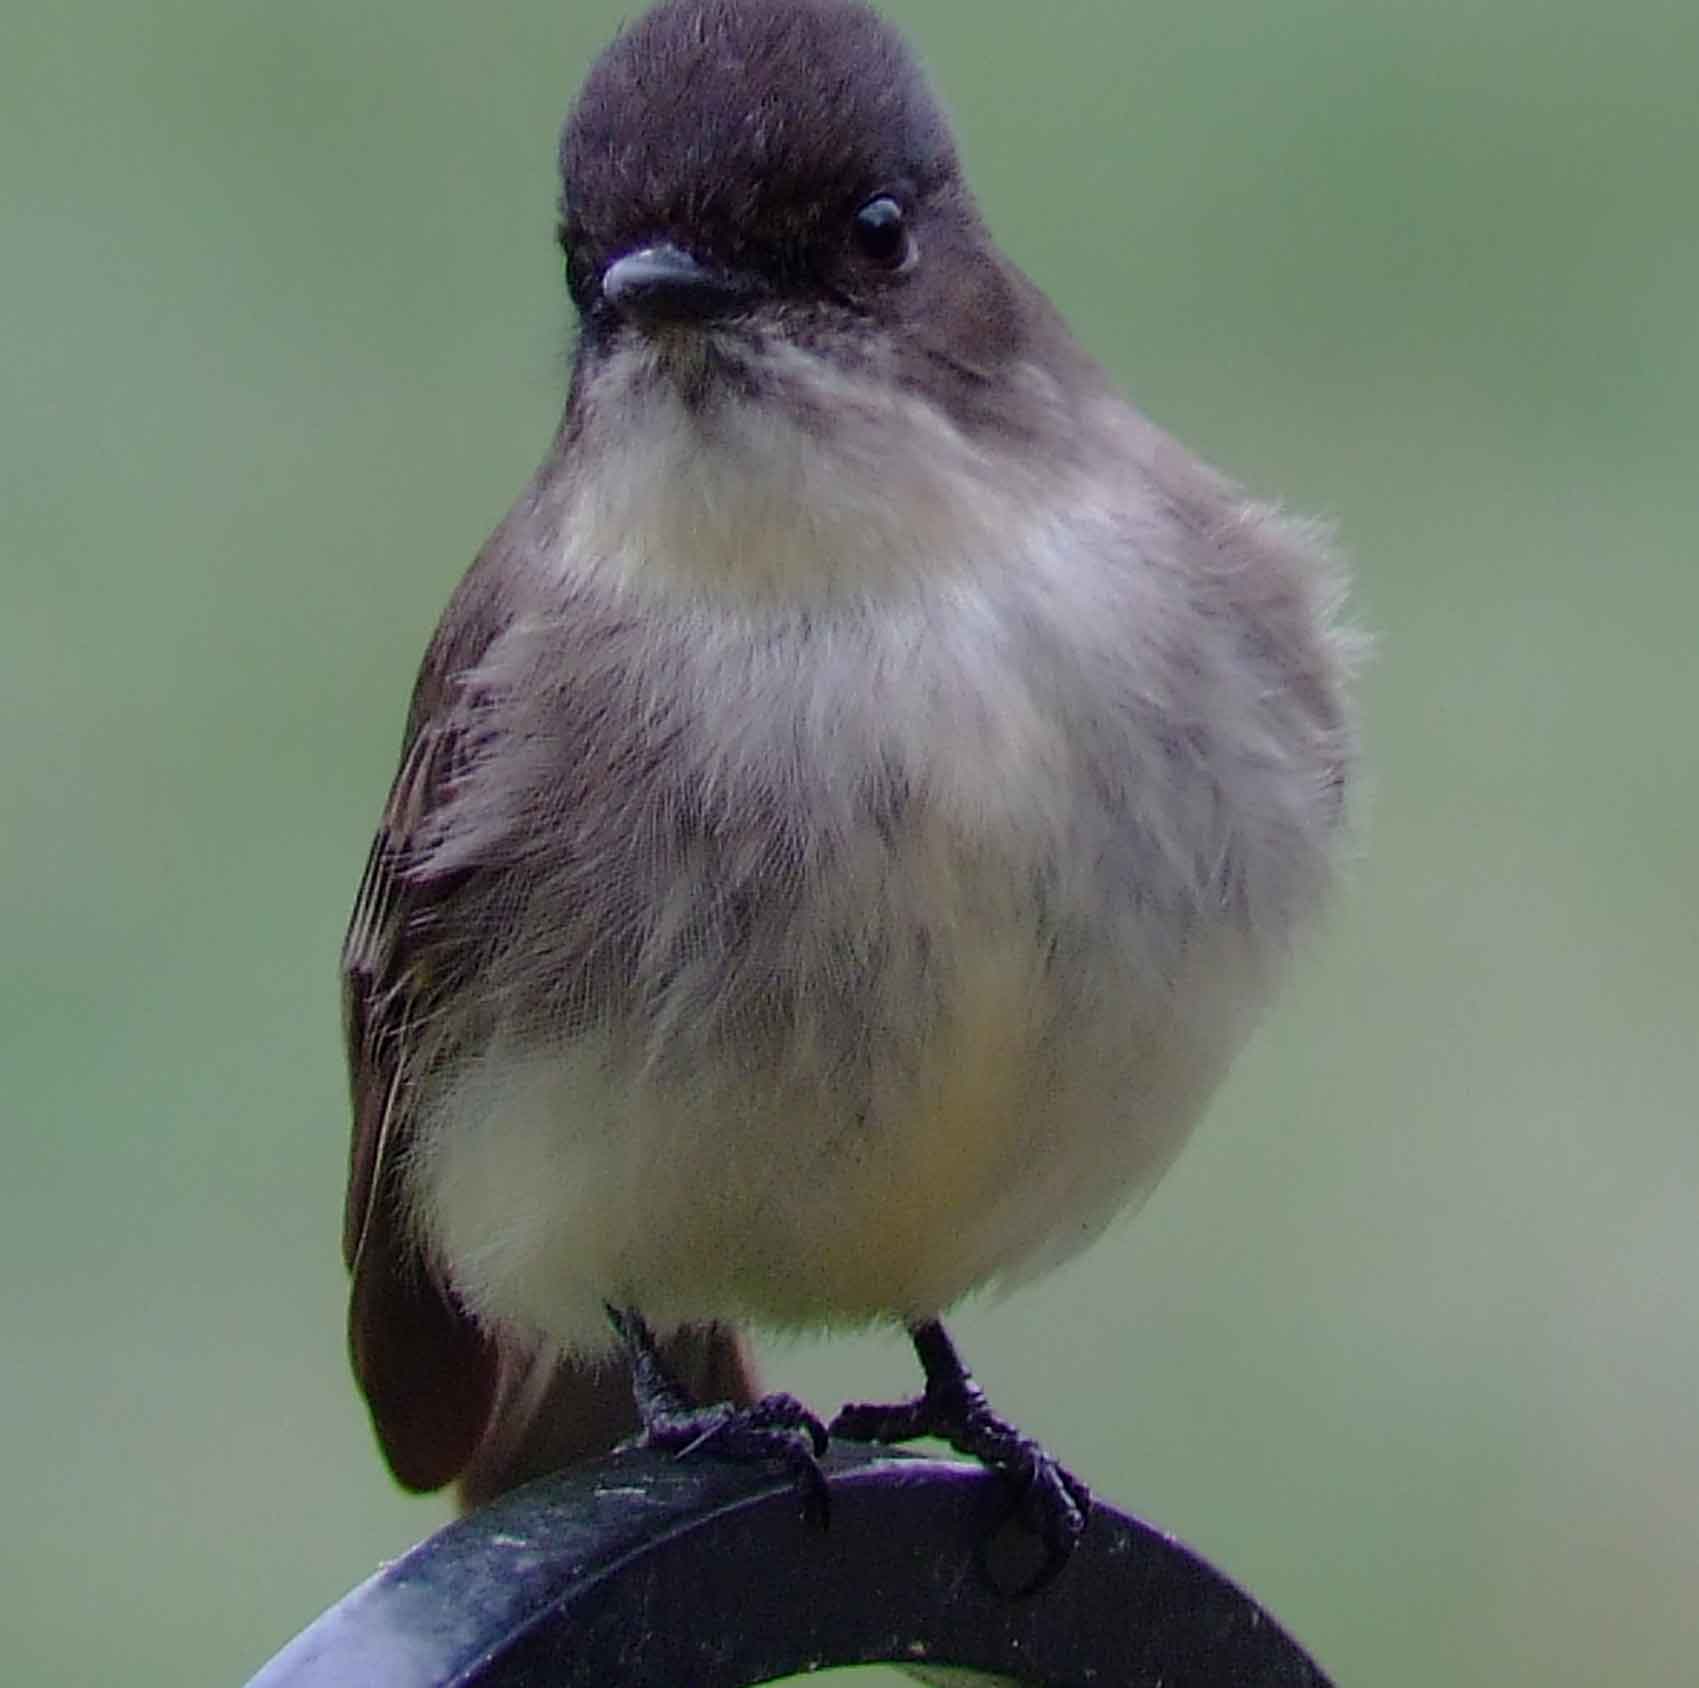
(1047, 1501)
(777, 1427)
(787, 1412)
(1054, 1506)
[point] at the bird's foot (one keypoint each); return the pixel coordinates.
(1047, 1500)
(777, 1427)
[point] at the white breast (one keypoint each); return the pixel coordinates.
(1043, 993)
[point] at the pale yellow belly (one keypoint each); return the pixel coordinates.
(551, 1182)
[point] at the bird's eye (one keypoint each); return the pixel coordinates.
(881, 233)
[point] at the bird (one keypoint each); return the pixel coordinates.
(849, 816)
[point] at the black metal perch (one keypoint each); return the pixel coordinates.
(666, 1573)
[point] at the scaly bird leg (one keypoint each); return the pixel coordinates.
(1047, 1499)
(777, 1427)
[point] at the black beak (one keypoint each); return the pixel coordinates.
(664, 284)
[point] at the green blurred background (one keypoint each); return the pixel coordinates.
(1407, 1342)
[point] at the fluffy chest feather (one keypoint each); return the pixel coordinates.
(860, 942)
(869, 999)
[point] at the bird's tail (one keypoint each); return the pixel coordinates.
(552, 1412)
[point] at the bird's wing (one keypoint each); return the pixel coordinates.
(447, 1401)
(428, 1372)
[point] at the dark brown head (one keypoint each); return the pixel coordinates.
(740, 170)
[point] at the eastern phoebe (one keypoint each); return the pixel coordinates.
(849, 815)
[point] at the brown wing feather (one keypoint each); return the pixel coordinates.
(428, 1372)
(448, 1402)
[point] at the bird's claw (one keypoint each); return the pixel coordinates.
(1047, 1501)
(777, 1427)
